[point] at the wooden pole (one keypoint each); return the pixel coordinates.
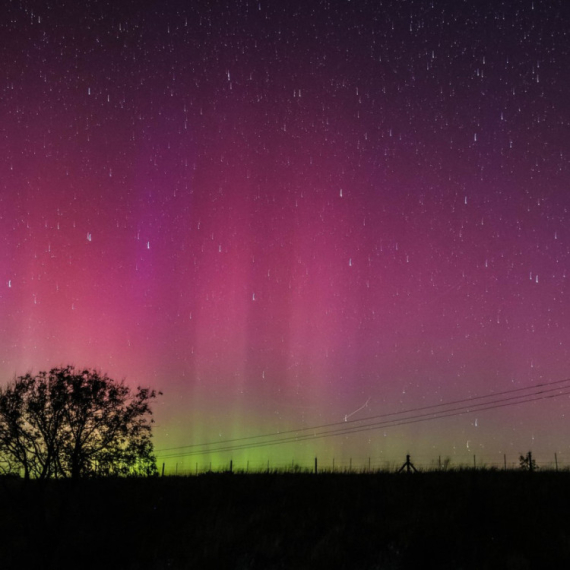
(556, 461)
(316, 469)
(408, 466)
(530, 465)
(163, 469)
(350, 465)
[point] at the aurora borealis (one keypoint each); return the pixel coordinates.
(278, 212)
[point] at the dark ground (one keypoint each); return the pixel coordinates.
(446, 520)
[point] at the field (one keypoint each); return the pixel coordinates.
(456, 519)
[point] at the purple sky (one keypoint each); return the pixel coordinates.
(275, 212)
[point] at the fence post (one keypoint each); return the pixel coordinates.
(530, 465)
(556, 461)
(316, 469)
(408, 466)
(163, 469)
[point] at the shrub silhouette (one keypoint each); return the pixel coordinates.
(69, 423)
(527, 463)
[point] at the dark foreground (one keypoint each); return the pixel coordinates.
(465, 519)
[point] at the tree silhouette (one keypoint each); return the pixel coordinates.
(527, 463)
(75, 423)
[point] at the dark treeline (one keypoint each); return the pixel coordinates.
(456, 519)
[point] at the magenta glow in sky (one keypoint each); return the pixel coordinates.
(276, 212)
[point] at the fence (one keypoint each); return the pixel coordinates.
(374, 465)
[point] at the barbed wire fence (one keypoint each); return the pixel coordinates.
(423, 463)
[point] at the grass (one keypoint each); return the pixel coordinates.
(453, 519)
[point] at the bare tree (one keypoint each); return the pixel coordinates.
(75, 423)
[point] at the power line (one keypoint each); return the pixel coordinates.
(430, 416)
(370, 418)
(356, 429)
(386, 424)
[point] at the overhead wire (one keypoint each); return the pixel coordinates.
(497, 401)
(386, 424)
(369, 418)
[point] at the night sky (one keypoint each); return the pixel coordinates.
(280, 212)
